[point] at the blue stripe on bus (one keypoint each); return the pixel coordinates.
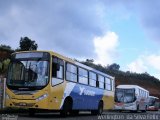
(86, 97)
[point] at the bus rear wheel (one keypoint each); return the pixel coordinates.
(74, 112)
(100, 109)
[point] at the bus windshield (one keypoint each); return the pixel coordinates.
(28, 73)
(152, 101)
(124, 95)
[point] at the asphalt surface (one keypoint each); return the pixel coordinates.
(107, 115)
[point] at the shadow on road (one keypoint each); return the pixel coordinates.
(82, 115)
(57, 115)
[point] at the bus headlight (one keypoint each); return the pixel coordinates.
(42, 97)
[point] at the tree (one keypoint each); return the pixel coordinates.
(113, 66)
(5, 53)
(90, 60)
(4, 67)
(5, 47)
(27, 44)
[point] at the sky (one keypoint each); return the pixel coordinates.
(125, 32)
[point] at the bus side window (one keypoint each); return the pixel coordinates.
(82, 76)
(71, 72)
(57, 68)
(101, 81)
(92, 79)
(108, 83)
(57, 71)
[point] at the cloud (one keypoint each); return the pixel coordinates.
(149, 16)
(146, 12)
(137, 66)
(154, 61)
(146, 63)
(105, 48)
(64, 26)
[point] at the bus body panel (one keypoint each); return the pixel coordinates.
(84, 97)
(123, 106)
(57, 96)
(26, 101)
(108, 99)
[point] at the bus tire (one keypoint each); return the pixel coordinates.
(74, 112)
(94, 112)
(67, 108)
(31, 112)
(137, 108)
(119, 110)
(145, 109)
(99, 111)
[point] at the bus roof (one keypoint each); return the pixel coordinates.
(130, 86)
(153, 97)
(72, 61)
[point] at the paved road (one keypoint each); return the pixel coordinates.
(87, 116)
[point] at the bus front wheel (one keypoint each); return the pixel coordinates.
(32, 112)
(137, 108)
(67, 108)
(145, 109)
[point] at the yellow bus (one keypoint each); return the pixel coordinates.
(45, 80)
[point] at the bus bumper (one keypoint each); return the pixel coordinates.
(15, 103)
(130, 106)
(152, 108)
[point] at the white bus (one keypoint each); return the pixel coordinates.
(153, 103)
(131, 97)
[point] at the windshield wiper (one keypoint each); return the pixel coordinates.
(120, 99)
(126, 99)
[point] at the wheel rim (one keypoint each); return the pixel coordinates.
(100, 108)
(100, 111)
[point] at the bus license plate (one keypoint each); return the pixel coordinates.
(22, 104)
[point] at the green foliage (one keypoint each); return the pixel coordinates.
(1, 66)
(113, 66)
(27, 44)
(90, 60)
(4, 66)
(5, 52)
(5, 47)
